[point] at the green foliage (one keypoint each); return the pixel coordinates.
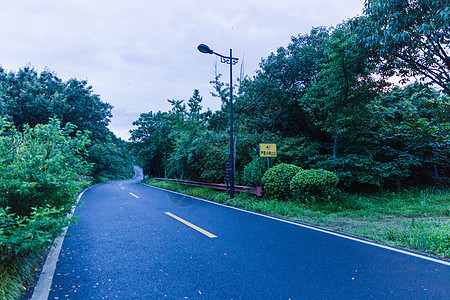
(42, 169)
(296, 150)
(41, 166)
(199, 158)
(409, 129)
(410, 38)
(167, 142)
(314, 182)
(357, 171)
(276, 181)
(271, 99)
(33, 98)
(111, 160)
(16, 276)
(320, 101)
(153, 141)
(24, 235)
(28, 99)
(345, 84)
(253, 172)
(423, 235)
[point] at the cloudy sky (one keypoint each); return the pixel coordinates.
(136, 54)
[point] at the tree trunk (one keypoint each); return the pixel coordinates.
(335, 146)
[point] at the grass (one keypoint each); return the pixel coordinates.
(16, 276)
(414, 219)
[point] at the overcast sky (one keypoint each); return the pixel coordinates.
(136, 54)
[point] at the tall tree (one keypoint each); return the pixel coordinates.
(274, 92)
(32, 98)
(344, 85)
(29, 98)
(153, 141)
(410, 37)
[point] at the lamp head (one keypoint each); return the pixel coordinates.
(204, 49)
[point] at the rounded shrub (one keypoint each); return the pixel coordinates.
(276, 181)
(314, 182)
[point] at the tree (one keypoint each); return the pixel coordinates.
(409, 37)
(24, 97)
(410, 128)
(111, 159)
(343, 86)
(272, 96)
(33, 98)
(153, 141)
(29, 98)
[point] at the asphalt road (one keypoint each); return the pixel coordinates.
(133, 241)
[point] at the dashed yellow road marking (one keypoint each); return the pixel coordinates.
(208, 234)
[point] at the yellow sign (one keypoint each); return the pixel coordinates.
(268, 150)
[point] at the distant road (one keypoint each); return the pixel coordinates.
(133, 241)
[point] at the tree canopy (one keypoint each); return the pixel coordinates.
(28, 99)
(408, 38)
(320, 99)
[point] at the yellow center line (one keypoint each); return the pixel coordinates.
(134, 195)
(208, 234)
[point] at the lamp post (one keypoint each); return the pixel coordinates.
(231, 61)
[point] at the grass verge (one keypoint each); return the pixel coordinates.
(17, 275)
(413, 219)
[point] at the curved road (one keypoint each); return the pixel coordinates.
(133, 241)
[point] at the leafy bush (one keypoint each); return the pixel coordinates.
(276, 181)
(253, 172)
(41, 166)
(27, 97)
(42, 169)
(313, 182)
(358, 171)
(198, 157)
(22, 235)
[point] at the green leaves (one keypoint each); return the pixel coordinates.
(42, 169)
(322, 102)
(344, 85)
(276, 181)
(410, 37)
(28, 99)
(22, 235)
(313, 183)
(41, 166)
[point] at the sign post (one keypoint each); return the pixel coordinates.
(268, 150)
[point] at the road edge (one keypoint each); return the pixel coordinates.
(43, 286)
(323, 230)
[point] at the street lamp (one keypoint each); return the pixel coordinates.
(231, 61)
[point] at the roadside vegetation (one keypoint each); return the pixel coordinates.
(41, 172)
(345, 136)
(53, 143)
(417, 219)
(326, 101)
